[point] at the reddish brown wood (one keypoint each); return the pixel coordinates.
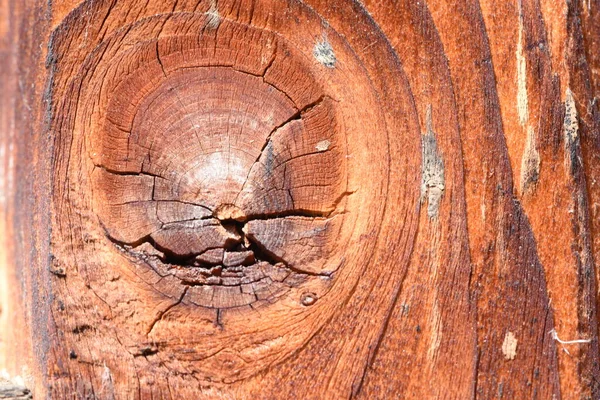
(300, 199)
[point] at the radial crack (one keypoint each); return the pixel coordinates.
(297, 116)
(162, 313)
(127, 173)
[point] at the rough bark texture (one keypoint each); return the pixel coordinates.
(300, 199)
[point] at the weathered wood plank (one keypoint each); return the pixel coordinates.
(300, 199)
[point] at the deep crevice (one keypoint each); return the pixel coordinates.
(247, 242)
(250, 243)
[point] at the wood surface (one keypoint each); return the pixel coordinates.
(286, 199)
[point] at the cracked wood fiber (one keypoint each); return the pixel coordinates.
(304, 199)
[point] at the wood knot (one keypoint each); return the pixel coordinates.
(214, 185)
